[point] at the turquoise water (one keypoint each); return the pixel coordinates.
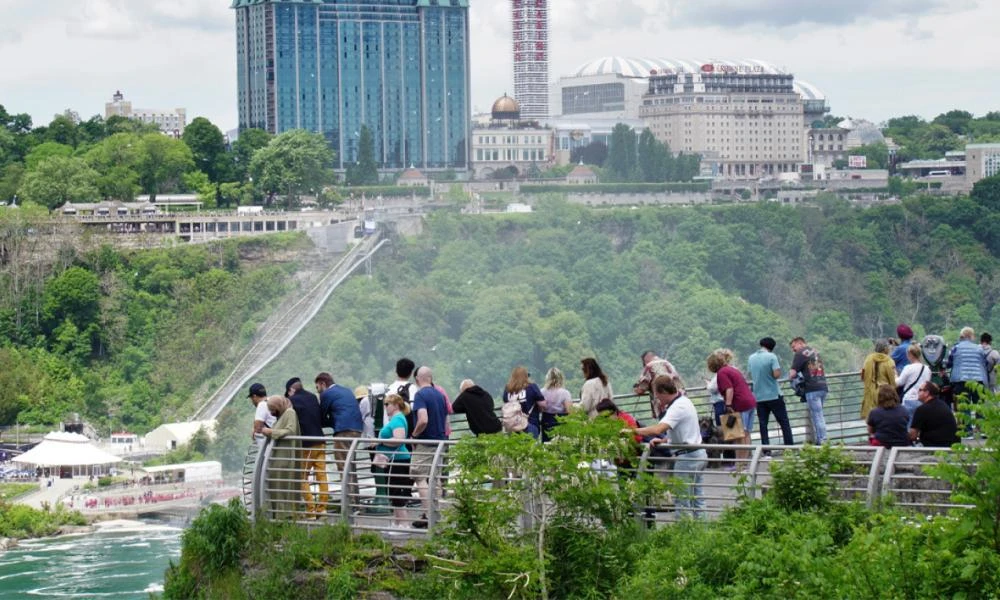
(121, 563)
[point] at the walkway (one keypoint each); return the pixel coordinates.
(284, 325)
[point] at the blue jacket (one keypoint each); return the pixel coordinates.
(899, 355)
(340, 410)
(967, 362)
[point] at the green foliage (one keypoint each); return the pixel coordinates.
(293, 163)
(208, 148)
(20, 521)
(622, 163)
(801, 481)
(582, 521)
(389, 191)
(365, 171)
(162, 162)
(57, 180)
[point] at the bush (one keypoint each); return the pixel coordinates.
(210, 551)
(802, 480)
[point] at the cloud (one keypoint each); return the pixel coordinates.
(9, 36)
(128, 19)
(790, 13)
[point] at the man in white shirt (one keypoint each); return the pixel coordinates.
(680, 423)
(262, 416)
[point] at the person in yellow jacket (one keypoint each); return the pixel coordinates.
(879, 369)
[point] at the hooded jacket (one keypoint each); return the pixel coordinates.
(477, 404)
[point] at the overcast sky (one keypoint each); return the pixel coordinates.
(872, 58)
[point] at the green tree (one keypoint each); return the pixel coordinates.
(10, 180)
(622, 163)
(72, 296)
(116, 158)
(649, 158)
(162, 161)
(876, 155)
(208, 148)
(58, 180)
(987, 193)
(249, 142)
(293, 163)
(955, 120)
(46, 150)
(63, 130)
(365, 171)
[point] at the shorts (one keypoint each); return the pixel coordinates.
(400, 483)
(421, 459)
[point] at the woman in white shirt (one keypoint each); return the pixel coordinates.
(597, 387)
(911, 377)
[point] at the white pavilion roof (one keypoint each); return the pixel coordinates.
(60, 448)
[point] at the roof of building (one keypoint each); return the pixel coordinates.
(582, 171)
(640, 68)
(412, 174)
(184, 431)
(61, 448)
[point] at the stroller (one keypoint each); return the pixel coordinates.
(935, 352)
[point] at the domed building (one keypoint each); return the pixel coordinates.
(509, 148)
(506, 109)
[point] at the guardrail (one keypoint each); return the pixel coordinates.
(371, 501)
(842, 410)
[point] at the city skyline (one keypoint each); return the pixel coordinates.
(868, 61)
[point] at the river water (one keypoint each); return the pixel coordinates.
(127, 561)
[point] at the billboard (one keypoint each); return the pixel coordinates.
(857, 162)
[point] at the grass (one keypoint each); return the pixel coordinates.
(10, 491)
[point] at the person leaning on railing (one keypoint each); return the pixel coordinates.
(282, 471)
(393, 456)
(680, 423)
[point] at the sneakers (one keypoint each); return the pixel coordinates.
(421, 523)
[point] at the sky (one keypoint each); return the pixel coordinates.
(873, 59)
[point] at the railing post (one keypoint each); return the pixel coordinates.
(758, 451)
(890, 470)
(640, 470)
(345, 481)
(259, 487)
(432, 485)
(873, 477)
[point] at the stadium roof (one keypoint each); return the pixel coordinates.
(640, 68)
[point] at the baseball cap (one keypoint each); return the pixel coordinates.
(257, 389)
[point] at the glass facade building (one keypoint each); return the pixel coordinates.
(399, 67)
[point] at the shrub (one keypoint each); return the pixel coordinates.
(802, 480)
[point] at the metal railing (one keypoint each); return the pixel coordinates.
(359, 493)
(842, 411)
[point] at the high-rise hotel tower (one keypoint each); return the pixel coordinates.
(530, 29)
(401, 67)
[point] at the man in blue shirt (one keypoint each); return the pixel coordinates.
(340, 412)
(764, 372)
(431, 411)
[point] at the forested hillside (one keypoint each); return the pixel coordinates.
(476, 295)
(128, 339)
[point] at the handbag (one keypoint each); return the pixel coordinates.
(732, 427)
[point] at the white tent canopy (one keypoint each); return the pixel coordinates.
(60, 448)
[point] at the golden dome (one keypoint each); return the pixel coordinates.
(506, 108)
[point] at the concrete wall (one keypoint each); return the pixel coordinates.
(333, 238)
(679, 198)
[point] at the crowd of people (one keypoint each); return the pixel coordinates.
(902, 405)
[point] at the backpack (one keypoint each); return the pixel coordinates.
(513, 418)
(411, 419)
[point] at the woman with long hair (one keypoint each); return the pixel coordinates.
(393, 456)
(596, 386)
(879, 369)
(557, 400)
(737, 397)
(520, 389)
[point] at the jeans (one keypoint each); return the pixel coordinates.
(911, 407)
(748, 416)
(314, 459)
(776, 407)
(815, 402)
(688, 468)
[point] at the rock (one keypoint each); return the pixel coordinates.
(7, 544)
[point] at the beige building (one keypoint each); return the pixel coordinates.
(509, 143)
(171, 122)
(981, 161)
(747, 120)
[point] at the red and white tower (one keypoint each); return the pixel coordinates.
(530, 20)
